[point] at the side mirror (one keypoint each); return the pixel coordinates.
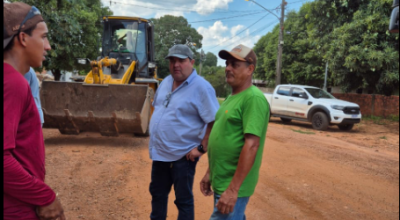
(394, 19)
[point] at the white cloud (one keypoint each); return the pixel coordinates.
(213, 35)
(174, 13)
(236, 29)
(205, 7)
(136, 8)
(220, 37)
(159, 8)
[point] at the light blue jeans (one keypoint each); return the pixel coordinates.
(238, 212)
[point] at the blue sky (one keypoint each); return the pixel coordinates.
(223, 23)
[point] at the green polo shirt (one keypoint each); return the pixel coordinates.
(240, 114)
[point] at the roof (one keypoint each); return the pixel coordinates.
(300, 86)
(125, 18)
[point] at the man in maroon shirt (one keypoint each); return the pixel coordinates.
(25, 195)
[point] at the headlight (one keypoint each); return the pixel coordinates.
(338, 107)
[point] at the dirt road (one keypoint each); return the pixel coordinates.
(305, 175)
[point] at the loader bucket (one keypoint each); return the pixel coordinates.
(75, 107)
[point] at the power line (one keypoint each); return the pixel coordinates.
(244, 29)
(298, 1)
(250, 19)
(247, 27)
(255, 22)
(258, 30)
(219, 19)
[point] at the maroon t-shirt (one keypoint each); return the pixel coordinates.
(24, 154)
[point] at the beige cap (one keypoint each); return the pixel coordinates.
(241, 53)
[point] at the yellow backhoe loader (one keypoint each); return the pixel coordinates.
(115, 96)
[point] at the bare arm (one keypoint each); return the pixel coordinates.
(207, 135)
(246, 161)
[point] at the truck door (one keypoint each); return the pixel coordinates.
(298, 103)
(280, 100)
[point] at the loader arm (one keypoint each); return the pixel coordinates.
(96, 75)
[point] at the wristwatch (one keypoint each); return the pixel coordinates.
(200, 148)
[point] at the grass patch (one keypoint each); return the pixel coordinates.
(303, 132)
(394, 118)
(382, 120)
(383, 138)
(375, 119)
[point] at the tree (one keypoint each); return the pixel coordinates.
(168, 31)
(363, 52)
(216, 76)
(211, 60)
(302, 59)
(266, 51)
(74, 31)
(324, 16)
(302, 64)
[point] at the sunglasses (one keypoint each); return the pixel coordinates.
(167, 99)
(234, 62)
(32, 13)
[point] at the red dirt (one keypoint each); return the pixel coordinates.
(325, 175)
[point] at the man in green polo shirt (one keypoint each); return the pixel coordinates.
(237, 139)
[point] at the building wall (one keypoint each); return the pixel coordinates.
(376, 105)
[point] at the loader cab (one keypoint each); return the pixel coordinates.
(129, 39)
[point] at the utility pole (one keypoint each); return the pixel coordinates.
(326, 77)
(280, 46)
(201, 60)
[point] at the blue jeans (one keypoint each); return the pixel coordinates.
(238, 212)
(180, 174)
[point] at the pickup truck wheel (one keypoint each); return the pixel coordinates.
(346, 127)
(320, 121)
(285, 120)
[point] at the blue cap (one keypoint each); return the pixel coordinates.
(180, 51)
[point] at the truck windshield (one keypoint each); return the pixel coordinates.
(319, 93)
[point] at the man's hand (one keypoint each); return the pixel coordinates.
(227, 202)
(54, 211)
(205, 185)
(192, 155)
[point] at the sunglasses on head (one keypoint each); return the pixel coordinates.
(32, 13)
